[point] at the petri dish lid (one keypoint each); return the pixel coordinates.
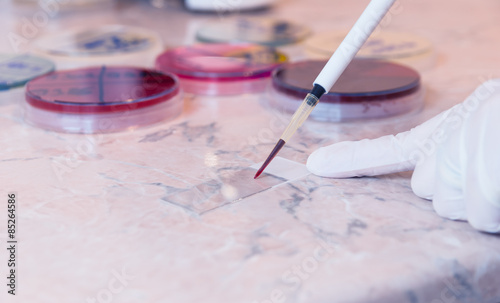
(225, 6)
(64, 5)
(99, 41)
(363, 80)
(220, 62)
(116, 45)
(16, 70)
(401, 47)
(98, 90)
(271, 32)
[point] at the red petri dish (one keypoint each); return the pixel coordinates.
(221, 69)
(101, 99)
(368, 88)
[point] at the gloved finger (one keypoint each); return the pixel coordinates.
(423, 180)
(383, 155)
(482, 173)
(428, 172)
(358, 158)
(481, 213)
(448, 199)
(389, 154)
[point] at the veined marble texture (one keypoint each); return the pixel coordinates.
(142, 216)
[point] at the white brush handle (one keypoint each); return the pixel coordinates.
(356, 37)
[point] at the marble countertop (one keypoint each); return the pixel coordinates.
(138, 216)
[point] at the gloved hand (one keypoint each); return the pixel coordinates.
(455, 157)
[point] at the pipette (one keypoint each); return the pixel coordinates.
(335, 66)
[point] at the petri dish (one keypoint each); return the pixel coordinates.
(108, 44)
(264, 31)
(224, 7)
(16, 70)
(56, 6)
(101, 99)
(368, 89)
(221, 69)
(400, 47)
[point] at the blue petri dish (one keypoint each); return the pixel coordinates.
(17, 70)
(264, 31)
(108, 44)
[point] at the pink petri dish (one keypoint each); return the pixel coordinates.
(221, 69)
(368, 89)
(101, 99)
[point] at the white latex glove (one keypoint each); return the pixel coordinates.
(455, 157)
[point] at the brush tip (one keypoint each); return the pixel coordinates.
(261, 169)
(271, 156)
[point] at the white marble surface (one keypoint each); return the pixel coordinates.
(91, 207)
